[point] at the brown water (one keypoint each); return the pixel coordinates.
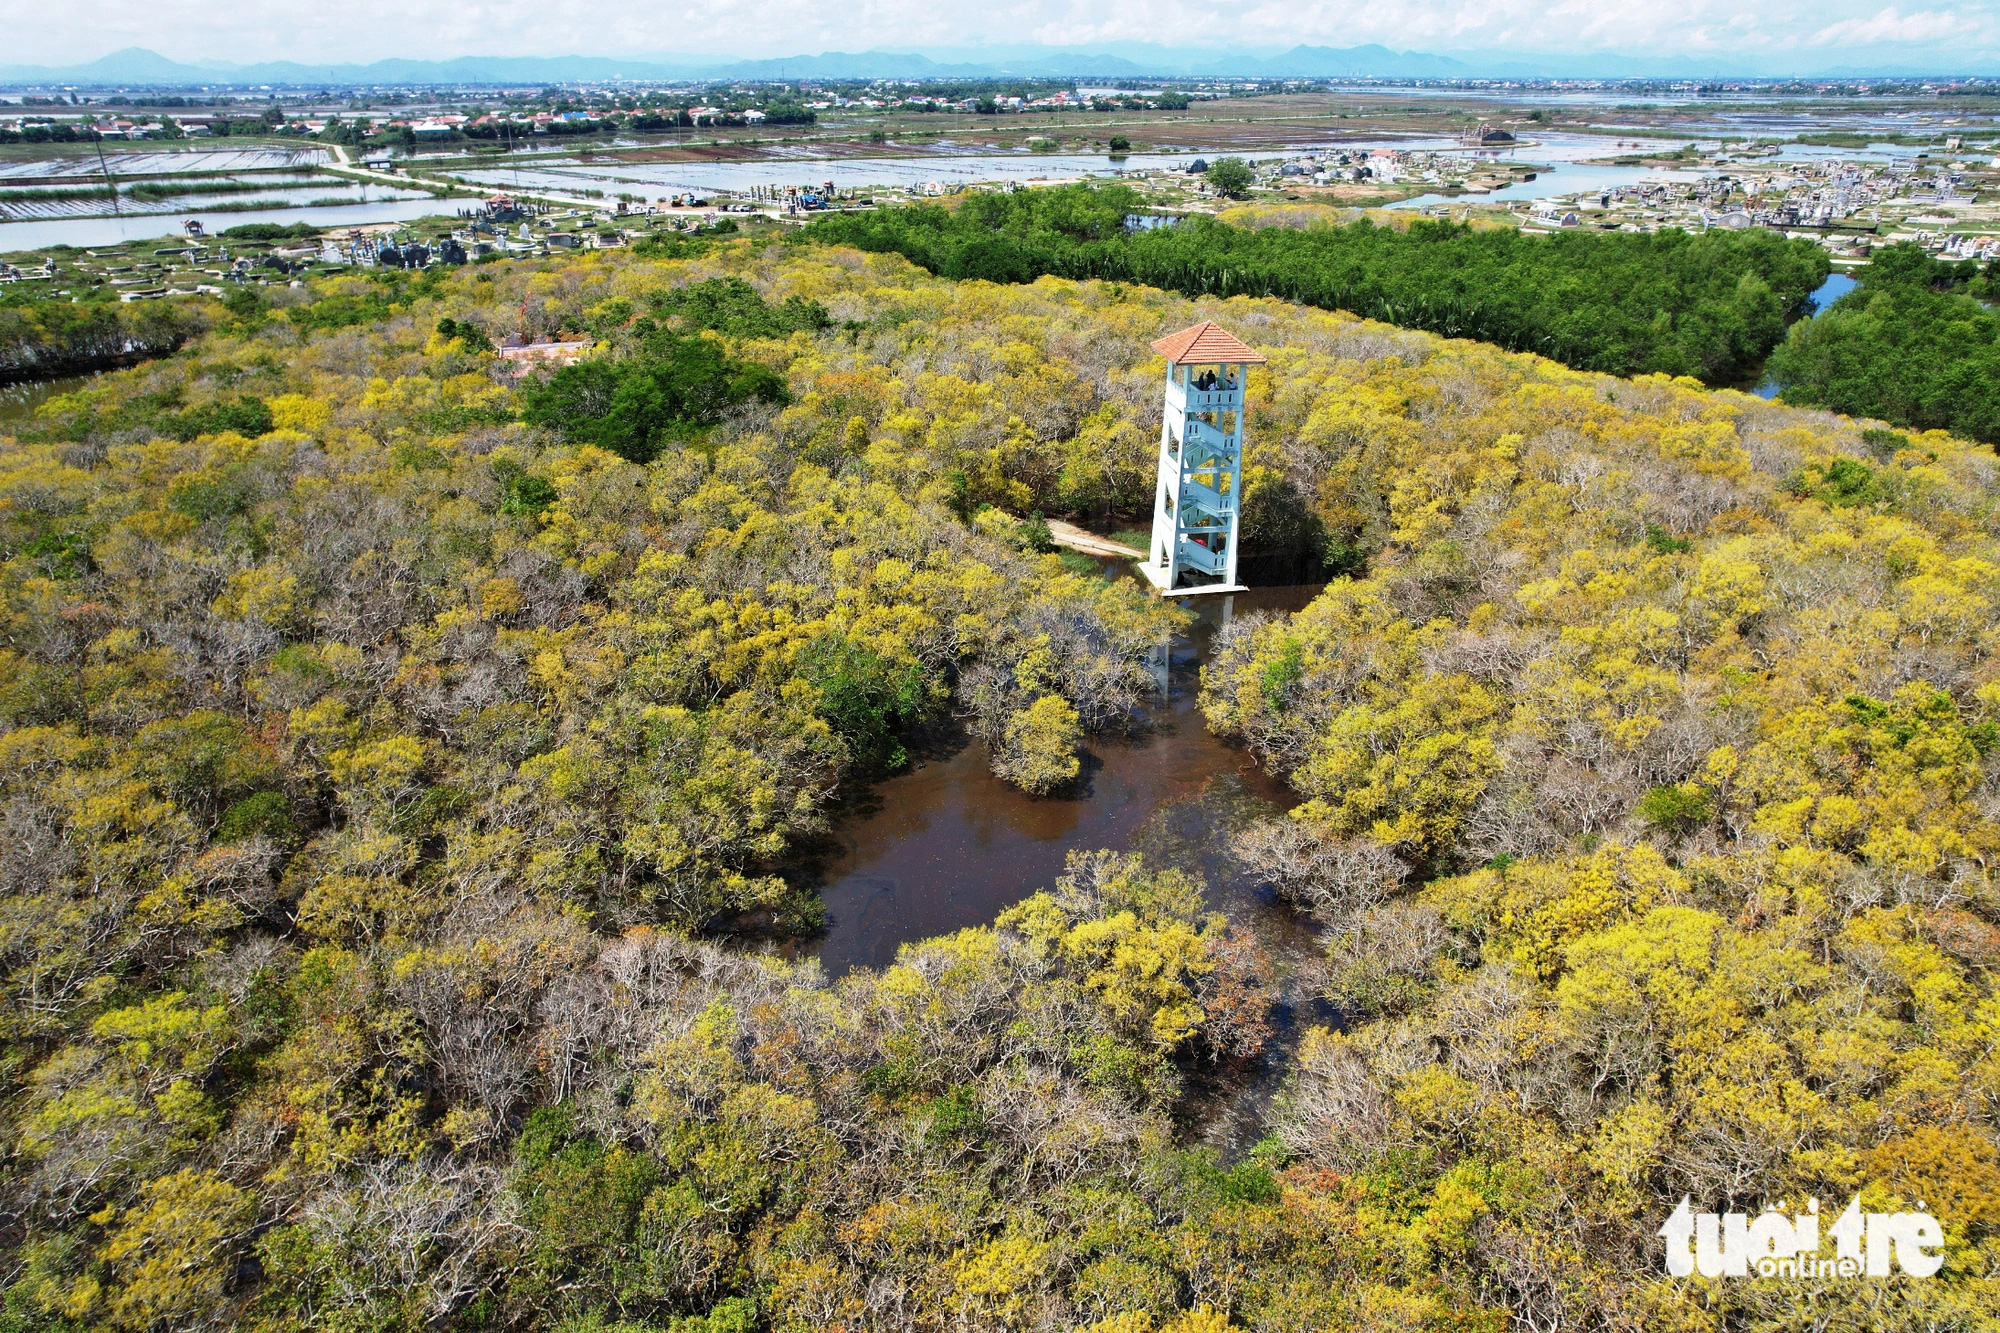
(19, 401)
(948, 845)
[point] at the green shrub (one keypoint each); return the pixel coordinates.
(266, 812)
(670, 391)
(1677, 809)
(522, 493)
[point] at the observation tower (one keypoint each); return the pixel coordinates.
(1201, 462)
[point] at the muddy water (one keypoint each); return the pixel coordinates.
(19, 401)
(948, 845)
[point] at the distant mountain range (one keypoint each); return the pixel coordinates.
(137, 67)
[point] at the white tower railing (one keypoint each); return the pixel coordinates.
(1197, 501)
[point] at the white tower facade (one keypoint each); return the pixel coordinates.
(1197, 500)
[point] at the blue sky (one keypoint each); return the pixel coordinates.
(1793, 33)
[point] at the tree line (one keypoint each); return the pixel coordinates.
(43, 338)
(1916, 343)
(1710, 305)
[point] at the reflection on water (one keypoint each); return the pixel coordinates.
(948, 845)
(19, 401)
(1836, 286)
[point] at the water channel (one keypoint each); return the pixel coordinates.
(19, 401)
(947, 845)
(1836, 286)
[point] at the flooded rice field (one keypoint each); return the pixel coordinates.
(176, 162)
(226, 194)
(384, 205)
(947, 170)
(1567, 165)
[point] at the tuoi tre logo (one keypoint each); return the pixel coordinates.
(1774, 1245)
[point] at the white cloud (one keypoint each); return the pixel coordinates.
(363, 30)
(1892, 25)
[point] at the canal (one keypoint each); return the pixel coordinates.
(1836, 286)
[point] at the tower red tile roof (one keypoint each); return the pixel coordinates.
(1209, 344)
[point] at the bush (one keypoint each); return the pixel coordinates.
(268, 813)
(248, 416)
(1884, 444)
(271, 231)
(671, 391)
(467, 332)
(733, 306)
(1678, 809)
(522, 494)
(1661, 542)
(1840, 483)
(340, 312)
(869, 700)
(1039, 752)
(243, 302)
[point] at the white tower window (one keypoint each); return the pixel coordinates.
(1195, 511)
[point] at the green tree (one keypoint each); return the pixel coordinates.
(1624, 303)
(1230, 177)
(1910, 345)
(671, 390)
